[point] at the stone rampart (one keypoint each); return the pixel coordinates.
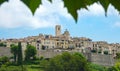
(105, 60)
(4, 51)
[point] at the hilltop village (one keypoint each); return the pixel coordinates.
(49, 46)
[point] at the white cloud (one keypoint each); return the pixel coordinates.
(54, 8)
(93, 10)
(15, 14)
(97, 10)
(112, 11)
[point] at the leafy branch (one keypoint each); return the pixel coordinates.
(72, 5)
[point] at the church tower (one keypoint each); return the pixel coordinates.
(58, 30)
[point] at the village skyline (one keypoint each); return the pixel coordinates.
(16, 21)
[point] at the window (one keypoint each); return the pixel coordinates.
(58, 28)
(38, 48)
(37, 44)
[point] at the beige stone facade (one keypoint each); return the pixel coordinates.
(65, 42)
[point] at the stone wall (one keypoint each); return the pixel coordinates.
(105, 60)
(4, 51)
(47, 54)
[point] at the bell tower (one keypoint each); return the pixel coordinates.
(57, 30)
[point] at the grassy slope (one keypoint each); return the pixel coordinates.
(34, 68)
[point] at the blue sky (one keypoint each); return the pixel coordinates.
(16, 21)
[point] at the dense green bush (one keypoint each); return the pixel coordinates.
(30, 52)
(67, 62)
(3, 60)
(118, 55)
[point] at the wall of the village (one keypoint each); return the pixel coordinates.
(4, 51)
(106, 60)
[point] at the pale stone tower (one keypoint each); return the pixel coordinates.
(58, 30)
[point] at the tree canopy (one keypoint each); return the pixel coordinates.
(30, 52)
(73, 5)
(118, 55)
(17, 52)
(68, 62)
(14, 50)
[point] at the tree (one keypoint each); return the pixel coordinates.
(116, 67)
(14, 50)
(17, 52)
(67, 62)
(30, 52)
(73, 5)
(3, 60)
(118, 55)
(20, 59)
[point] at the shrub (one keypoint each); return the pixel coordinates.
(67, 62)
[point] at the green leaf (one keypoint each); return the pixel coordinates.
(50, 1)
(74, 5)
(116, 4)
(89, 2)
(2, 1)
(105, 4)
(32, 4)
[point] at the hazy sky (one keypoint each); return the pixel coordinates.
(17, 21)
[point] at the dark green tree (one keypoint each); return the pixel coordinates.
(67, 62)
(4, 59)
(14, 51)
(30, 52)
(20, 59)
(118, 55)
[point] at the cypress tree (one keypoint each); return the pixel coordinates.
(19, 54)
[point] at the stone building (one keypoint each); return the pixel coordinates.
(58, 30)
(64, 42)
